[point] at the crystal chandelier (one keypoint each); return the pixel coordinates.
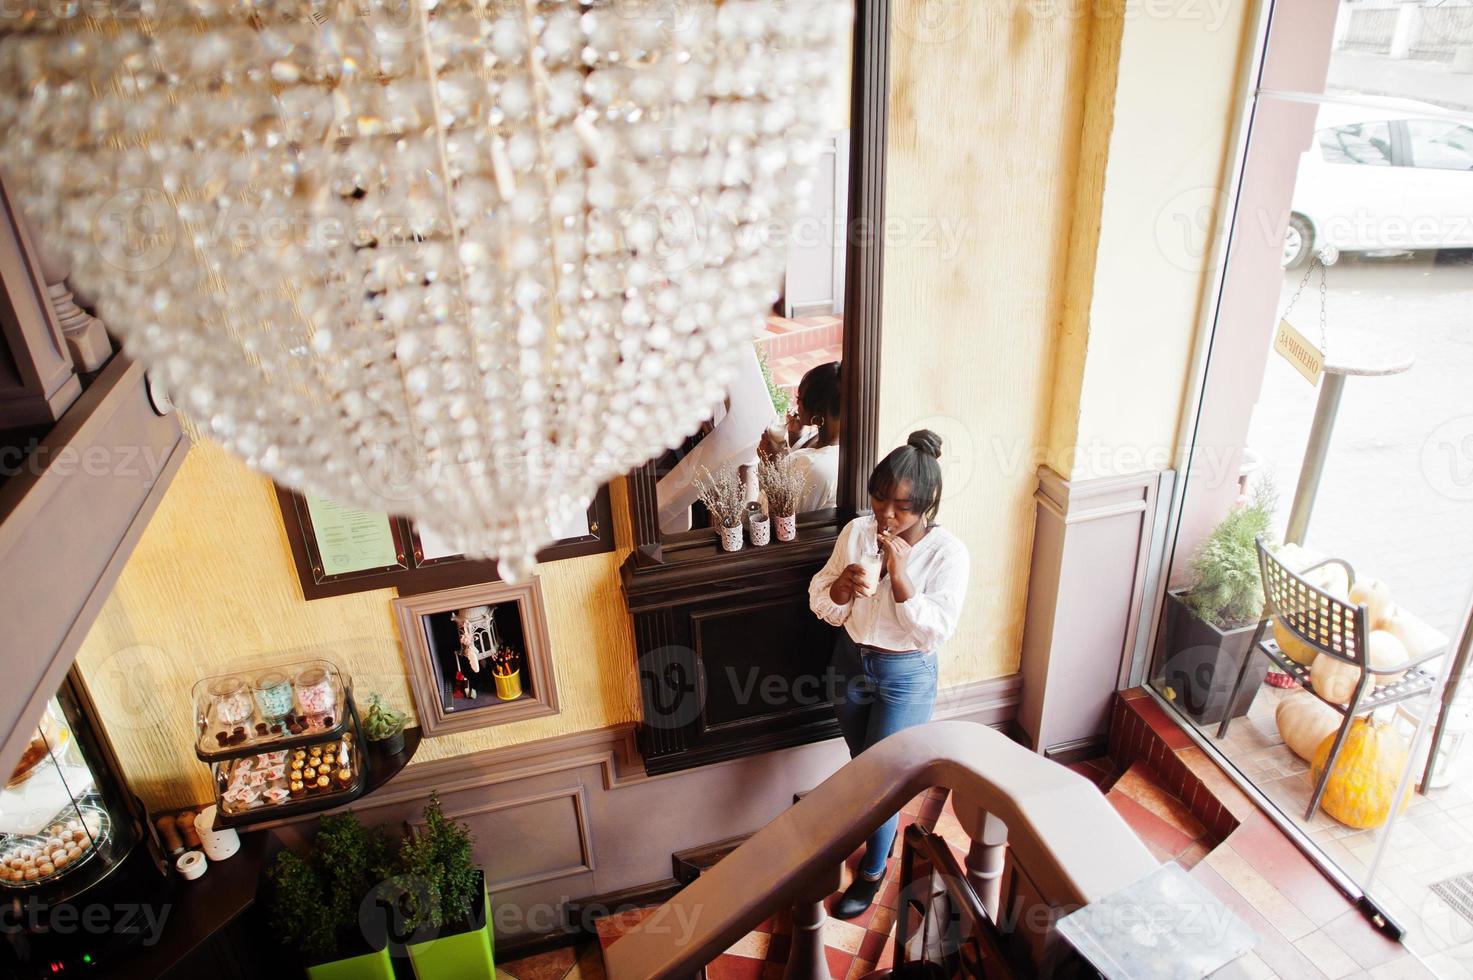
(461, 260)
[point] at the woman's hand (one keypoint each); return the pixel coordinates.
(843, 589)
(897, 553)
(795, 427)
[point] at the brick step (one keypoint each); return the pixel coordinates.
(1162, 821)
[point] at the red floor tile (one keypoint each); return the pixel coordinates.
(839, 962)
(873, 943)
(1274, 856)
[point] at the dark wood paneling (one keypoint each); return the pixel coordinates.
(864, 278)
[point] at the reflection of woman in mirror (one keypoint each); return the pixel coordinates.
(741, 420)
(813, 432)
(895, 583)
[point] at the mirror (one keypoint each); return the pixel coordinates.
(785, 401)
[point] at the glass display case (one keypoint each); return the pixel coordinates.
(282, 742)
(71, 835)
(63, 820)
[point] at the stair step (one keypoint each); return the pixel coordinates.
(687, 865)
(1163, 822)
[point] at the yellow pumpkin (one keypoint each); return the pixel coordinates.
(1362, 786)
(1293, 647)
(1304, 721)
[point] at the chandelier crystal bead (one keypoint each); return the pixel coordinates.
(461, 260)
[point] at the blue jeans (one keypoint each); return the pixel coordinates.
(877, 695)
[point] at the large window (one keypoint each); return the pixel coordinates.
(1346, 445)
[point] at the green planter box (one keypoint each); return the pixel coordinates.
(370, 966)
(463, 951)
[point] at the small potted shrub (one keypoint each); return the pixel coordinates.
(384, 726)
(445, 910)
(315, 900)
(1208, 627)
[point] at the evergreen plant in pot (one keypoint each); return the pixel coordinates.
(1208, 627)
(446, 911)
(316, 898)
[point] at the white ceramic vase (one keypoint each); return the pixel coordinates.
(760, 529)
(787, 526)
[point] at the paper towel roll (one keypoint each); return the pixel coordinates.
(218, 844)
(191, 865)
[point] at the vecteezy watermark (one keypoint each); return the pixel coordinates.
(1447, 458)
(139, 229)
(95, 919)
(671, 685)
(1186, 227)
(1212, 14)
(677, 229)
(1211, 466)
(128, 682)
(100, 461)
(935, 21)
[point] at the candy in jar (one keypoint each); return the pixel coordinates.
(315, 691)
(231, 700)
(274, 694)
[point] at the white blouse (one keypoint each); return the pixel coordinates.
(820, 471)
(938, 568)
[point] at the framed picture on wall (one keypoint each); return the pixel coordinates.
(338, 549)
(478, 655)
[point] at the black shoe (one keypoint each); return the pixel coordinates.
(858, 896)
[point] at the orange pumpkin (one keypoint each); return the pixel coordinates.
(1360, 790)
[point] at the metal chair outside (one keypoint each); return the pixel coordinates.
(1335, 628)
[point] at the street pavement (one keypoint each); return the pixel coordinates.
(1396, 499)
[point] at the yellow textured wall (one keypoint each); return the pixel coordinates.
(1011, 318)
(211, 589)
(986, 105)
(1135, 299)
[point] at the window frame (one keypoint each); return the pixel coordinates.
(695, 555)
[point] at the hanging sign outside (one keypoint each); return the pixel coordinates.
(1296, 348)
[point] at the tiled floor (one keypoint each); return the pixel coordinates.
(1305, 926)
(1431, 841)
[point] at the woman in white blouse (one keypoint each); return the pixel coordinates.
(895, 582)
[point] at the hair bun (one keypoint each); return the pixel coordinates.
(926, 441)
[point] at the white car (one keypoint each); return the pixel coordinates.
(1391, 175)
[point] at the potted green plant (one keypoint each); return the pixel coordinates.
(384, 725)
(316, 898)
(446, 912)
(1207, 628)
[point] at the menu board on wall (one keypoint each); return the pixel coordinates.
(349, 539)
(339, 549)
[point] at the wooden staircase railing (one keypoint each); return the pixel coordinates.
(1069, 843)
